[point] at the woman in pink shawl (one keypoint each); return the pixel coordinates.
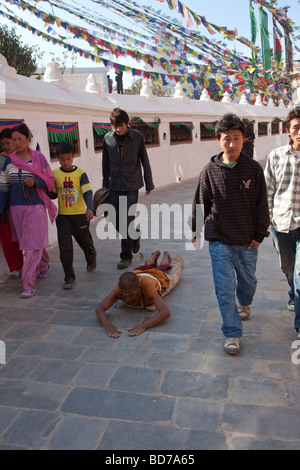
(25, 178)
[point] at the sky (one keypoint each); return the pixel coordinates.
(233, 14)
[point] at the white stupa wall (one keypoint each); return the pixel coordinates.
(38, 102)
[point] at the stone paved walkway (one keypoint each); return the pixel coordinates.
(67, 385)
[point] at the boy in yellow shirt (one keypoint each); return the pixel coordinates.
(75, 211)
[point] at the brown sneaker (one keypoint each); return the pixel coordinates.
(244, 311)
(124, 263)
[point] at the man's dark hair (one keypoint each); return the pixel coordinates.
(63, 148)
(229, 122)
(294, 114)
(5, 133)
(118, 117)
(128, 281)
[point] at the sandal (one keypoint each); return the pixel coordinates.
(27, 293)
(68, 285)
(91, 267)
(44, 274)
(14, 275)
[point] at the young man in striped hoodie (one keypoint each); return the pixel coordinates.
(232, 191)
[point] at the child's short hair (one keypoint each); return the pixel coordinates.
(64, 147)
(229, 122)
(118, 117)
(128, 281)
(5, 133)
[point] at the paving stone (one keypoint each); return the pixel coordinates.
(250, 390)
(136, 379)
(121, 405)
(95, 375)
(55, 350)
(92, 336)
(251, 443)
(40, 423)
(280, 422)
(176, 361)
(56, 371)
(62, 334)
(144, 436)
(74, 318)
(231, 366)
(115, 356)
(7, 415)
(283, 371)
(192, 384)
(28, 315)
(28, 331)
(266, 350)
(10, 447)
(205, 416)
(67, 385)
(67, 436)
(294, 391)
(168, 342)
(19, 367)
(33, 395)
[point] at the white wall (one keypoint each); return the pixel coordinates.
(170, 163)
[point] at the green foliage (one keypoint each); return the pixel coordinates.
(20, 56)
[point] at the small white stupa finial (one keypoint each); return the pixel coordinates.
(204, 95)
(258, 101)
(226, 98)
(5, 69)
(92, 86)
(53, 75)
(243, 100)
(146, 90)
(179, 92)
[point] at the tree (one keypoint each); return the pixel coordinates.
(157, 89)
(62, 60)
(20, 56)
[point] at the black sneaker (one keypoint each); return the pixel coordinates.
(291, 305)
(124, 263)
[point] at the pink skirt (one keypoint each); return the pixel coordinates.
(29, 226)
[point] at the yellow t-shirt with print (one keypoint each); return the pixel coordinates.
(70, 187)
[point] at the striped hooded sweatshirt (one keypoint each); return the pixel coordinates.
(234, 201)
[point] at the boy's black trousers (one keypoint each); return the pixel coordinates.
(78, 227)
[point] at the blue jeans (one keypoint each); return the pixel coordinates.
(233, 269)
(288, 247)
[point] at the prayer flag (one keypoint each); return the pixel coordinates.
(253, 29)
(265, 42)
(277, 47)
